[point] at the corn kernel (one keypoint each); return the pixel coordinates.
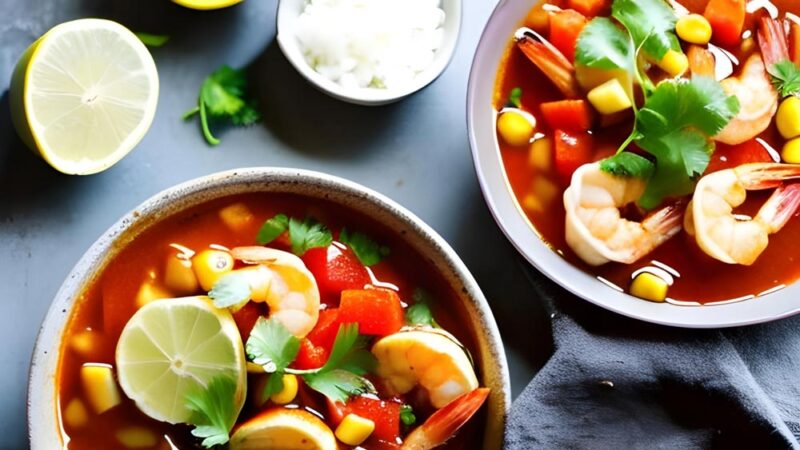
(788, 118)
(75, 414)
(609, 97)
(210, 265)
(540, 155)
(538, 19)
(148, 292)
(747, 45)
(289, 391)
(353, 430)
(99, 386)
(515, 128)
(532, 204)
(791, 151)
(694, 29)
(237, 217)
(649, 286)
(85, 342)
(545, 190)
(674, 63)
(136, 437)
(179, 276)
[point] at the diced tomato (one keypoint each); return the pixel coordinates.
(385, 414)
(727, 20)
(572, 150)
(247, 316)
(335, 270)
(794, 42)
(589, 8)
(376, 311)
(310, 356)
(728, 156)
(571, 115)
(565, 26)
(324, 332)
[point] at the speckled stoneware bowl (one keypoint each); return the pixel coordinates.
(497, 35)
(43, 426)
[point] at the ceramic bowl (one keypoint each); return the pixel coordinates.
(290, 10)
(43, 424)
(497, 35)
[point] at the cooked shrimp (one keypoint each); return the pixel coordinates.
(758, 102)
(595, 229)
(427, 358)
(282, 280)
(553, 64)
(444, 423)
(736, 239)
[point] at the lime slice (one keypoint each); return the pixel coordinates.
(206, 4)
(283, 429)
(170, 345)
(84, 94)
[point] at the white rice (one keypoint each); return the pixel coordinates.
(370, 43)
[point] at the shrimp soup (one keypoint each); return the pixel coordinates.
(660, 161)
(269, 320)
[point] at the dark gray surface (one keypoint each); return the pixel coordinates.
(416, 152)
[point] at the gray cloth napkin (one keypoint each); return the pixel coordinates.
(617, 383)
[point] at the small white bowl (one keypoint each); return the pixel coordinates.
(290, 10)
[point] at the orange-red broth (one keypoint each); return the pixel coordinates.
(107, 304)
(702, 278)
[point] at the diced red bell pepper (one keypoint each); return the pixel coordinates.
(310, 356)
(385, 414)
(727, 20)
(376, 311)
(247, 316)
(565, 27)
(729, 156)
(335, 270)
(572, 150)
(571, 115)
(324, 332)
(794, 43)
(589, 8)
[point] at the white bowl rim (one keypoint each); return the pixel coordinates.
(42, 407)
(507, 212)
(366, 96)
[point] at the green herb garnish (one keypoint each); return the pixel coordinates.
(272, 229)
(515, 98)
(366, 250)
(271, 345)
(231, 289)
(627, 164)
(152, 40)
(407, 415)
(785, 78)
(419, 314)
(222, 96)
(604, 45)
(651, 24)
(303, 234)
(213, 410)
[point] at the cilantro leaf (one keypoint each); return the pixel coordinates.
(785, 77)
(213, 410)
(651, 24)
(603, 45)
(366, 250)
(407, 415)
(515, 98)
(233, 288)
(272, 346)
(349, 352)
(627, 164)
(272, 228)
(152, 40)
(420, 312)
(338, 384)
(223, 96)
(308, 234)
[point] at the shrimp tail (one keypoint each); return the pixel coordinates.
(665, 222)
(549, 60)
(445, 422)
(760, 176)
(772, 41)
(781, 206)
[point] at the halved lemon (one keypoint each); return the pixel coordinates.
(169, 346)
(283, 429)
(206, 4)
(84, 94)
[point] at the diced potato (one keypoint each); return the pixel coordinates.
(179, 276)
(99, 386)
(289, 391)
(75, 414)
(788, 118)
(150, 291)
(516, 128)
(85, 342)
(540, 155)
(649, 286)
(210, 265)
(136, 437)
(791, 151)
(609, 97)
(694, 29)
(354, 429)
(237, 217)
(532, 204)
(747, 45)
(674, 63)
(538, 19)
(589, 78)
(545, 190)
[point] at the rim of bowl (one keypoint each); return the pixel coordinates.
(508, 214)
(43, 412)
(366, 96)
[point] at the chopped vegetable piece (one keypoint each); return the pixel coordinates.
(549, 60)
(150, 291)
(791, 152)
(354, 429)
(210, 265)
(179, 275)
(727, 20)
(570, 115)
(701, 61)
(310, 356)
(694, 29)
(75, 414)
(729, 156)
(385, 414)
(540, 155)
(214, 410)
(649, 286)
(788, 118)
(288, 392)
(100, 387)
(324, 332)
(538, 18)
(674, 63)
(515, 98)
(237, 217)
(366, 250)
(247, 316)
(565, 27)
(136, 437)
(609, 98)
(152, 40)
(572, 150)
(376, 311)
(794, 42)
(335, 270)
(589, 8)
(407, 416)
(515, 127)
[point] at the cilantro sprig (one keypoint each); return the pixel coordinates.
(419, 314)
(303, 234)
(515, 98)
(223, 96)
(231, 289)
(152, 40)
(785, 77)
(366, 250)
(213, 410)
